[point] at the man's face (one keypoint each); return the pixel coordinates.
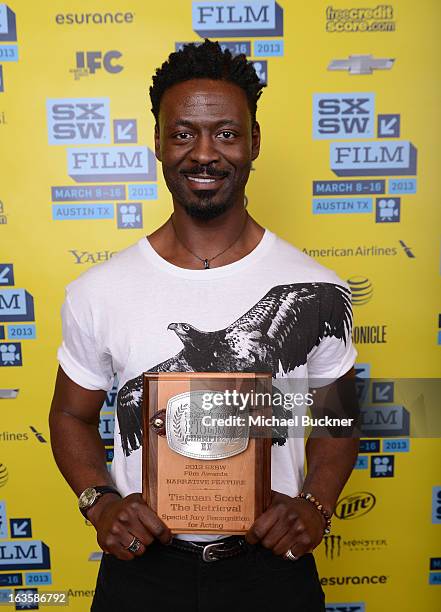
(206, 142)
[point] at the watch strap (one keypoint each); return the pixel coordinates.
(101, 490)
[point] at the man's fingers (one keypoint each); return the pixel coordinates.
(133, 539)
(275, 534)
(111, 545)
(153, 523)
(298, 545)
(261, 526)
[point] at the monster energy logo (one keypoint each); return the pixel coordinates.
(332, 546)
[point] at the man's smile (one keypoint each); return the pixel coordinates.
(199, 181)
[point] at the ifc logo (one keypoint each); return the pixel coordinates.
(361, 288)
(3, 475)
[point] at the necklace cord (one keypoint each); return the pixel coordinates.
(206, 260)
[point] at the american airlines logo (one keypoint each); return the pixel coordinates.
(361, 64)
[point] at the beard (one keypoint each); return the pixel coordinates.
(204, 208)
(206, 204)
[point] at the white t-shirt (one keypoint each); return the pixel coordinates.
(276, 308)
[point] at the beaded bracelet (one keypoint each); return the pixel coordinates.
(313, 500)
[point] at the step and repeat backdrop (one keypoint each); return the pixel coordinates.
(348, 173)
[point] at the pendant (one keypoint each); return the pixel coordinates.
(206, 264)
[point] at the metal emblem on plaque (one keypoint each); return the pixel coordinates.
(188, 436)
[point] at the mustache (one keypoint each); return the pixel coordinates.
(206, 171)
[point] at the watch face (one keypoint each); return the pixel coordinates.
(87, 498)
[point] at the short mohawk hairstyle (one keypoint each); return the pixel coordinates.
(206, 61)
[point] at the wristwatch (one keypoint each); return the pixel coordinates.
(91, 495)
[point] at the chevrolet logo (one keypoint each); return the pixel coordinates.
(361, 64)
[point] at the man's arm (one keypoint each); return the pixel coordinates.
(80, 456)
(293, 523)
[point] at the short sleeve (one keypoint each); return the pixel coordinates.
(335, 354)
(79, 355)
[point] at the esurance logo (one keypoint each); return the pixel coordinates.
(224, 19)
(78, 121)
(355, 505)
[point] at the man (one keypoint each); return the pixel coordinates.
(210, 290)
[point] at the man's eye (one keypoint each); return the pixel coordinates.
(183, 136)
(227, 134)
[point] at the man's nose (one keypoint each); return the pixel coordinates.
(204, 150)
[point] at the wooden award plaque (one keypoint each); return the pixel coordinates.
(204, 479)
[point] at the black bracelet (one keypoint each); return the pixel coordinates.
(313, 500)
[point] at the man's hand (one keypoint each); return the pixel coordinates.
(289, 523)
(118, 520)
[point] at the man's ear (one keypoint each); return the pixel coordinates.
(157, 143)
(255, 140)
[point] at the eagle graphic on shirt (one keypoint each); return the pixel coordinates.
(276, 335)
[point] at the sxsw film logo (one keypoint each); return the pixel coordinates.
(125, 130)
(78, 121)
(261, 68)
(8, 27)
(349, 115)
(344, 116)
(435, 576)
(121, 163)
(397, 157)
(88, 62)
(10, 354)
(16, 305)
(26, 555)
(389, 420)
(6, 275)
(129, 216)
(20, 527)
(436, 505)
(8, 34)
(382, 466)
(383, 392)
(237, 19)
(387, 210)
